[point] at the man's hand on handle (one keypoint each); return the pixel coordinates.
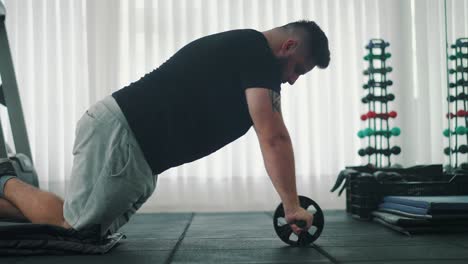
(299, 214)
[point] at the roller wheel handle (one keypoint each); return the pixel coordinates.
(300, 223)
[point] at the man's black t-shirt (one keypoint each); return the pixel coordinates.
(195, 103)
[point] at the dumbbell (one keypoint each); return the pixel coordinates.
(383, 99)
(377, 56)
(365, 133)
(460, 130)
(386, 133)
(393, 150)
(460, 96)
(386, 152)
(370, 151)
(461, 149)
(372, 83)
(459, 55)
(366, 151)
(459, 69)
(463, 42)
(384, 116)
(460, 113)
(370, 114)
(372, 70)
(285, 232)
(460, 82)
(374, 45)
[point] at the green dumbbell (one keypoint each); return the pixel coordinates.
(459, 69)
(377, 56)
(459, 55)
(361, 134)
(388, 133)
(371, 70)
(460, 130)
(365, 133)
(369, 131)
(396, 131)
(446, 132)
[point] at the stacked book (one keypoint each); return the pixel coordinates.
(423, 214)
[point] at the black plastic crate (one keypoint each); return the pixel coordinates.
(364, 200)
(359, 212)
(364, 194)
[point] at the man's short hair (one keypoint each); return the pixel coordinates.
(316, 41)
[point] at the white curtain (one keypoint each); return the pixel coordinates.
(69, 54)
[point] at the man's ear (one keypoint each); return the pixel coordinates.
(289, 46)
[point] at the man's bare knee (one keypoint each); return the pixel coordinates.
(66, 225)
(9, 211)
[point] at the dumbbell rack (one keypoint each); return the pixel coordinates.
(378, 131)
(457, 116)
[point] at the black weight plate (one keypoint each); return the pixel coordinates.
(284, 230)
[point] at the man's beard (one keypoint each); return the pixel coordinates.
(282, 64)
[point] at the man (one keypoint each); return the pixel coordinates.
(207, 95)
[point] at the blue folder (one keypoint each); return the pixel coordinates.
(403, 208)
(427, 204)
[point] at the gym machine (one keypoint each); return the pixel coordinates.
(9, 97)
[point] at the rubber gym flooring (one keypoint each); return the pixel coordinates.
(250, 238)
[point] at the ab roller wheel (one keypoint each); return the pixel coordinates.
(285, 232)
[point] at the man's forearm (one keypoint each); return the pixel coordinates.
(278, 156)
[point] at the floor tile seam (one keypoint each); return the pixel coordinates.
(327, 255)
(179, 241)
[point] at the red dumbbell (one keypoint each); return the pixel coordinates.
(372, 114)
(386, 116)
(460, 113)
(392, 114)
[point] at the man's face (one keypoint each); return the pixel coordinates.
(293, 62)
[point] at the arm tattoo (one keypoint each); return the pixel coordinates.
(275, 101)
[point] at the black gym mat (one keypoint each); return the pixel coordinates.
(250, 238)
(38, 239)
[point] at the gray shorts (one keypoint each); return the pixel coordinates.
(110, 178)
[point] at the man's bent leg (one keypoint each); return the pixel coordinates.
(110, 177)
(39, 207)
(10, 212)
